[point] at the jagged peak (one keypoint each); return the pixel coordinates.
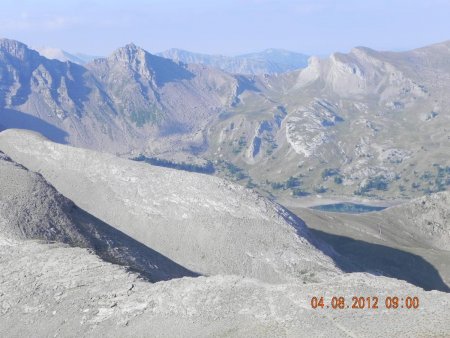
(363, 49)
(9, 43)
(338, 57)
(16, 48)
(132, 47)
(444, 45)
(129, 52)
(363, 52)
(148, 65)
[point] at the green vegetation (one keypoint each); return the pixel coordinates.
(250, 184)
(272, 145)
(433, 182)
(442, 178)
(329, 172)
(332, 172)
(292, 182)
(338, 179)
(427, 175)
(277, 185)
(299, 192)
(208, 168)
(231, 171)
(142, 117)
(241, 144)
(373, 183)
(320, 190)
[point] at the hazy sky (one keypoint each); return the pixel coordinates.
(227, 27)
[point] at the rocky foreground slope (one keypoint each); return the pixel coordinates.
(409, 241)
(52, 289)
(31, 209)
(206, 224)
(49, 290)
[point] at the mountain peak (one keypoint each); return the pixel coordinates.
(15, 48)
(11, 44)
(129, 53)
(132, 47)
(135, 57)
(59, 54)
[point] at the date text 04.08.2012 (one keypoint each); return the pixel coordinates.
(358, 302)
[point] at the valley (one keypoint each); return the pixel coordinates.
(183, 194)
(285, 135)
(105, 245)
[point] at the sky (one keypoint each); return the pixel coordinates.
(229, 27)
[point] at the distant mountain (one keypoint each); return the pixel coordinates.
(117, 103)
(62, 55)
(86, 58)
(269, 61)
(366, 123)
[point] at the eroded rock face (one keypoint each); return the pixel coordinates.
(73, 292)
(369, 113)
(49, 289)
(309, 127)
(32, 209)
(204, 223)
(115, 104)
(429, 216)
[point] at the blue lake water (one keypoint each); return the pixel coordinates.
(349, 208)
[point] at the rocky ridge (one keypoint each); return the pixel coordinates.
(366, 116)
(54, 289)
(201, 222)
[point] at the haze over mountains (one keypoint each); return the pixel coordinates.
(269, 61)
(271, 128)
(62, 55)
(97, 244)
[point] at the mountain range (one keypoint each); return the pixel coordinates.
(62, 55)
(168, 195)
(269, 61)
(92, 244)
(365, 125)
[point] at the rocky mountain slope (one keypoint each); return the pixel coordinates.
(59, 54)
(69, 292)
(56, 289)
(31, 209)
(204, 223)
(366, 123)
(62, 55)
(269, 61)
(119, 104)
(409, 241)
